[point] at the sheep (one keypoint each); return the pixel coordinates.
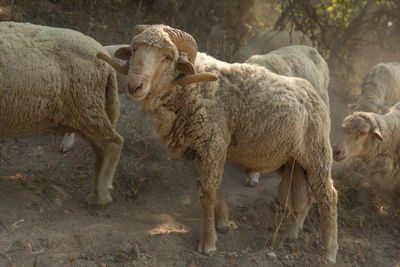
(69, 138)
(294, 61)
(199, 106)
(380, 88)
(265, 42)
(51, 80)
(373, 138)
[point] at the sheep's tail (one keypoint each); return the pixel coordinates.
(112, 99)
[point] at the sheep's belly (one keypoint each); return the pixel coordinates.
(260, 162)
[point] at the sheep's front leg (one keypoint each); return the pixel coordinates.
(221, 215)
(210, 167)
(208, 237)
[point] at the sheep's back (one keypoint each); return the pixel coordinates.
(382, 83)
(298, 61)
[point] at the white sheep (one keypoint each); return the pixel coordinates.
(211, 123)
(380, 88)
(51, 80)
(295, 61)
(373, 138)
(265, 42)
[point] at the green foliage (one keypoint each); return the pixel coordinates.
(344, 11)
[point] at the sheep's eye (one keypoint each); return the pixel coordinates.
(168, 57)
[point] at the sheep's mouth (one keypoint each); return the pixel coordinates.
(139, 95)
(339, 157)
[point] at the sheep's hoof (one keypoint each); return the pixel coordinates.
(331, 253)
(331, 256)
(223, 227)
(251, 183)
(98, 210)
(67, 143)
(291, 232)
(253, 179)
(64, 148)
(206, 249)
(94, 199)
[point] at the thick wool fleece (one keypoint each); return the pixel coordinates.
(298, 61)
(380, 88)
(287, 119)
(50, 79)
(265, 42)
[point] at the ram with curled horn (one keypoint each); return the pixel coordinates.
(247, 114)
(187, 49)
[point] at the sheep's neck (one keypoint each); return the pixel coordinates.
(162, 109)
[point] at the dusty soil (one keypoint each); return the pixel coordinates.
(155, 219)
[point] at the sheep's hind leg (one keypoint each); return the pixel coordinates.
(111, 143)
(98, 162)
(293, 192)
(295, 221)
(221, 215)
(326, 197)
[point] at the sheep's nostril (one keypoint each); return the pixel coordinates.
(134, 88)
(336, 152)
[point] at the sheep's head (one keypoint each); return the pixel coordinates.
(361, 132)
(158, 54)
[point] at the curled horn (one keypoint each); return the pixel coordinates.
(196, 78)
(122, 69)
(184, 42)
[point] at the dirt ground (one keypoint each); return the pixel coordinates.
(155, 219)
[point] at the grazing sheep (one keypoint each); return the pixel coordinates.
(50, 79)
(380, 88)
(265, 42)
(295, 61)
(211, 122)
(374, 138)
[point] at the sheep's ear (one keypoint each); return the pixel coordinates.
(123, 53)
(184, 66)
(377, 133)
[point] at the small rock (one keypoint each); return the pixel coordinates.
(286, 257)
(272, 255)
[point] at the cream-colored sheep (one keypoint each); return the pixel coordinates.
(298, 61)
(265, 42)
(374, 138)
(210, 122)
(295, 61)
(51, 80)
(69, 138)
(380, 88)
